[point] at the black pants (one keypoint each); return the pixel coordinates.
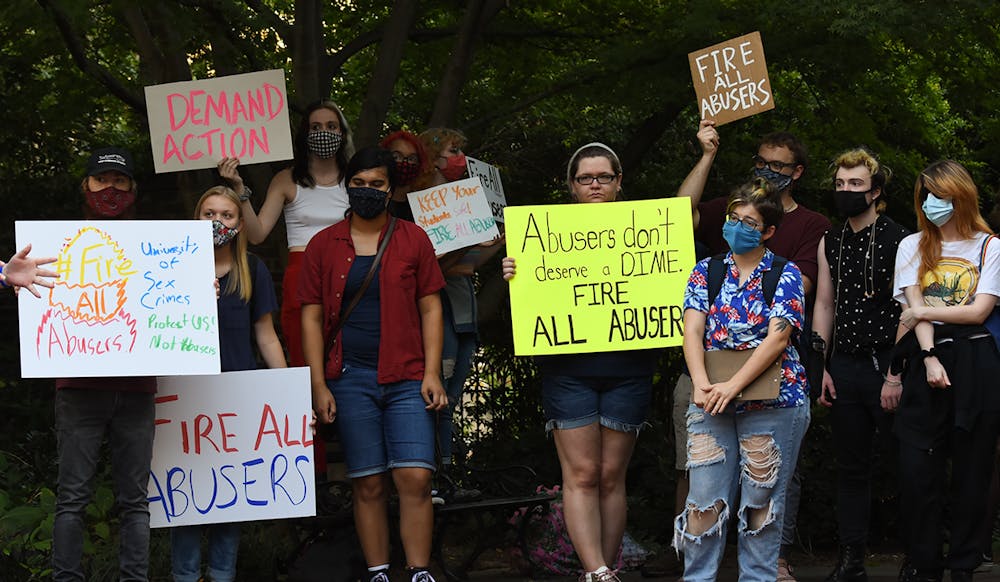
(862, 434)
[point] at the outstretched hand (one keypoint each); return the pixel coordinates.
(22, 271)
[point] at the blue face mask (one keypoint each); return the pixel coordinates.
(777, 179)
(741, 238)
(936, 210)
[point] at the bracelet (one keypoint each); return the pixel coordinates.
(247, 193)
(3, 276)
(931, 353)
(893, 382)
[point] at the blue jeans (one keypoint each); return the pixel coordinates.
(381, 426)
(83, 417)
(185, 552)
(459, 349)
(750, 456)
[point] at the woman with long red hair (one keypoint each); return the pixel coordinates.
(948, 280)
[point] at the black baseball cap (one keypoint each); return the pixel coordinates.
(110, 159)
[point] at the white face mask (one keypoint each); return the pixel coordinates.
(936, 210)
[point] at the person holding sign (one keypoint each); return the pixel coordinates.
(948, 282)
(311, 195)
(858, 320)
(246, 302)
(371, 330)
(742, 448)
(88, 408)
(595, 404)
(20, 271)
(461, 320)
(411, 165)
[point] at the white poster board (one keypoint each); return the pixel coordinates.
(134, 298)
(194, 124)
(454, 215)
(489, 175)
(232, 447)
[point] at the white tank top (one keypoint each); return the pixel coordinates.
(313, 210)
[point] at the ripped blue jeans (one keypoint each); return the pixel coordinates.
(748, 457)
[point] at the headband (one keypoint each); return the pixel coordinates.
(596, 144)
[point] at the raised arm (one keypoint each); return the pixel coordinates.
(282, 189)
(693, 185)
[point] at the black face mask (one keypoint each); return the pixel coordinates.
(850, 204)
(367, 203)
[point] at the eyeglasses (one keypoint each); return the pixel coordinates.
(733, 219)
(775, 165)
(601, 179)
(412, 158)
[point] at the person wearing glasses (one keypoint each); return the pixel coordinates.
(412, 166)
(310, 194)
(742, 451)
(595, 404)
(948, 282)
(781, 159)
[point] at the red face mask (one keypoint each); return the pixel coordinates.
(110, 202)
(455, 168)
(406, 172)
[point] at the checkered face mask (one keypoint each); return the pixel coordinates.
(324, 144)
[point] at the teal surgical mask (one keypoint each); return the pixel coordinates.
(936, 210)
(741, 238)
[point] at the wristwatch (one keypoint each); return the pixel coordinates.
(247, 193)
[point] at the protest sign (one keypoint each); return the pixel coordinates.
(133, 298)
(232, 447)
(599, 277)
(454, 215)
(730, 79)
(194, 124)
(489, 175)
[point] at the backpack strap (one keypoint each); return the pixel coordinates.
(717, 274)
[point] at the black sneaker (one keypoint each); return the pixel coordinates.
(379, 575)
(421, 575)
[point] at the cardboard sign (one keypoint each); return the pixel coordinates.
(232, 447)
(599, 277)
(194, 124)
(134, 298)
(730, 79)
(454, 215)
(489, 175)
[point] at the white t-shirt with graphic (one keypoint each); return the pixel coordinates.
(956, 280)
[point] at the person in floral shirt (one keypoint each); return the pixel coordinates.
(743, 450)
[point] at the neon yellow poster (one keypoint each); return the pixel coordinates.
(599, 277)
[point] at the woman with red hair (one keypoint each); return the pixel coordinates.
(411, 164)
(948, 280)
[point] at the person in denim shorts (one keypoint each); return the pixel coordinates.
(382, 368)
(595, 405)
(743, 450)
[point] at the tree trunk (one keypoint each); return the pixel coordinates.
(477, 17)
(310, 53)
(383, 79)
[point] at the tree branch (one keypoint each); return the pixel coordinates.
(87, 65)
(284, 30)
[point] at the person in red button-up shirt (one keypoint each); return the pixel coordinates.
(382, 369)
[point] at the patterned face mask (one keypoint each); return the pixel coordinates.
(110, 202)
(367, 203)
(324, 143)
(222, 234)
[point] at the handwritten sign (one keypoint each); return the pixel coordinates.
(489, 175)
(194, 124)
(599, 277)
(454, 215)
(730, 79)
(134, 298)
(232, 447)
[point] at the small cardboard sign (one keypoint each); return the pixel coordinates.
(194, 124)
(232, 447)
(599, 277)
(133, 298)
(489, 175)
(454, 215)
(730, 79)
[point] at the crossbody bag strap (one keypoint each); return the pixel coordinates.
(364, 285)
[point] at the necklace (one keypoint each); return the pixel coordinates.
(790, 208)
(868, 266)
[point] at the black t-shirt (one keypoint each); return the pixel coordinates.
(862, 265)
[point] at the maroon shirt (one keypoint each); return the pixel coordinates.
(408, 271)
(127, 384)
(796, 238)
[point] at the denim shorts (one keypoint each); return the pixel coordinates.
(616, 403)
(382, 426)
